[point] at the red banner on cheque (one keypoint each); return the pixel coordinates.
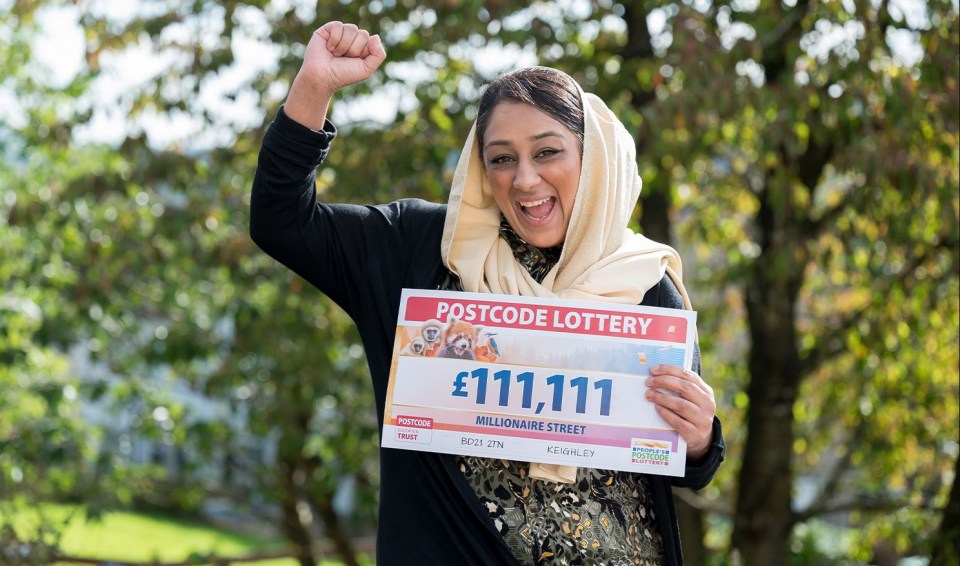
(555, 318)
(531, 379)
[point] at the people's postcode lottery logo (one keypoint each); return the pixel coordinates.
(649, 452)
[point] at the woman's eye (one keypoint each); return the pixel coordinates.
(548, 153)
(500, 159)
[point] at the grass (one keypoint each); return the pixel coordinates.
(139, 537)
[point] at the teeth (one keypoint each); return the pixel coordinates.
(534, 203)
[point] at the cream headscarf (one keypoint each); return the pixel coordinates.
(602, 259)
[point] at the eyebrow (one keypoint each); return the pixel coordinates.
(547, 134)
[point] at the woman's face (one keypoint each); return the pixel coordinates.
(533, 166)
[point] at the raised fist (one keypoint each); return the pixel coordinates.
(341, 54)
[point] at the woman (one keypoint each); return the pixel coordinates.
(539, 207)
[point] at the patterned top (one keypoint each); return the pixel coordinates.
(604, 518)
(537, 261)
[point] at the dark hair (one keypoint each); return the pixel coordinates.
(548, 90)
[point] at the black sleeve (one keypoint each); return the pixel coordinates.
(350, 252)
(698, 474)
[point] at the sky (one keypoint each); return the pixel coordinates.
(60, 50)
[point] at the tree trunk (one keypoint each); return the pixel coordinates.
(295, 528)
(946, 545)
(692, 532)
(764, 518)
(331, 523)
(302, 492)
(296, 533)
(293, 473)
(655, 208)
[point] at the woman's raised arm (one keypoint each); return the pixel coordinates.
(337, 55)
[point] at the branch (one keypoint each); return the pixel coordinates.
(702, 503)
(828, 218)
(865, 504)
(791, 19)
(209, 559)
(746, 179)
(842, 464)
(814, 160)
(774, 44)
(834, 343)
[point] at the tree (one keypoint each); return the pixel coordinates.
(804, 166)
(139, 257)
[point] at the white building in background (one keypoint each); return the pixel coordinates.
(227, 468)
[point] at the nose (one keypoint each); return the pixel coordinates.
(526, 176)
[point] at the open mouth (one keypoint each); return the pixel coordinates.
(538, 209)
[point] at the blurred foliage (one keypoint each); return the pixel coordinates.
(807, 170)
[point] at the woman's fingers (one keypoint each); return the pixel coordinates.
(350, 42)
(333, 33)
(342, 38)
(686, 402)
(358, 47)
(684, 382)
(375, 51)
(345, 40)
